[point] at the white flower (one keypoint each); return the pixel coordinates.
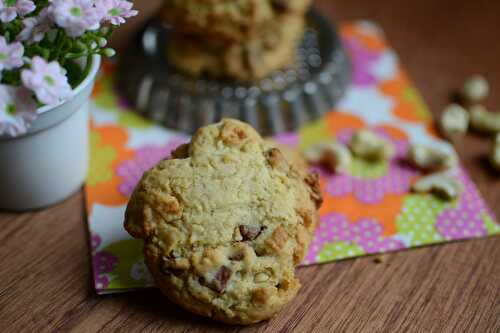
(35, 27)
(75, 16)
(115, 11)
(10, 9)
(47, 80)
(11, 55)
(17, 110)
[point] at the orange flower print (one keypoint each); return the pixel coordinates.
(107, 151)
(409, 104)
(371, 40)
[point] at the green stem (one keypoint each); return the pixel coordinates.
(88, 66)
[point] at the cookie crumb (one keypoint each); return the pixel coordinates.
(378, 260)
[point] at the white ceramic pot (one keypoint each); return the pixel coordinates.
(50, 162)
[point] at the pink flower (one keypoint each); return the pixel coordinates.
(17, 110)
(115, 11)
(75, 16)
(11, 55)
(35, 27)
(47, 80)
(10, 9)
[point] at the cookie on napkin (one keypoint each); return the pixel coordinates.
(225, 222)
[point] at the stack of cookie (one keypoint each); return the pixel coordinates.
(225, 222)
(243, 40)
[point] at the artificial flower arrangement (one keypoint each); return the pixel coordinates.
(45, 51)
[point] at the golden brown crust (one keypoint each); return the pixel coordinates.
(225, 224)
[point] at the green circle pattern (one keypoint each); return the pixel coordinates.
(418, 217)
(367, 170)
(339, 250)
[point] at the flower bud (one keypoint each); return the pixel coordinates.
(108, 52)
(102, 42)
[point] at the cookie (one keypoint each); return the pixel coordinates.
(224, 223)
(228, 20)
(250, 60)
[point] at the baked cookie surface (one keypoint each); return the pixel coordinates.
(225, 222)
(229, 20)
(251, 60)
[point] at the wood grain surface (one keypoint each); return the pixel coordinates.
(45, 270)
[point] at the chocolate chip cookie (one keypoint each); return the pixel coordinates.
(225, 222)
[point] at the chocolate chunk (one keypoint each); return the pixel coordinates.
(167, 267)
(181, 152)
(237, 257)
(312, 180)
(280, 5)
(221, 278)
(173, 264)
(250, 232)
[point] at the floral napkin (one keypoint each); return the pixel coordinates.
(367, 210)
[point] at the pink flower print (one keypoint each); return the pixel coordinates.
(101, 282)
(95, 241)
(362, 62)
(146, 157)
(365, 232)
(102, 264)
(466, 220)
(288, 139)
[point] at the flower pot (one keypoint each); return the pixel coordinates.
(49, 163)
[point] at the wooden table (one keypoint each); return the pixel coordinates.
(45, 270)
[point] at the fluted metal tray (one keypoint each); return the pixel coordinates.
(282, 102)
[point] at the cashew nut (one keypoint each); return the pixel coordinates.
(475, 89)
(441, 185)
(430, 159)
(454, 120)
(333, 155)
(370, 146)
(484, 121)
